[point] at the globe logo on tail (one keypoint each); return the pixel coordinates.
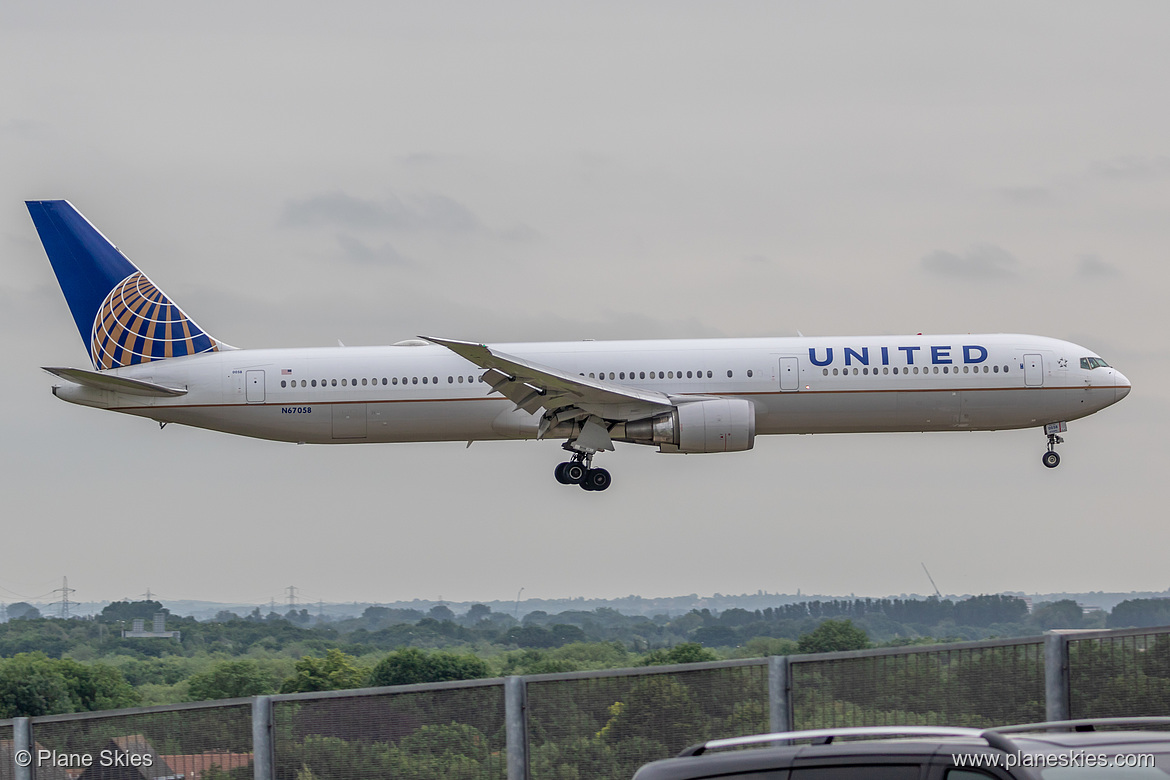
(137, 323)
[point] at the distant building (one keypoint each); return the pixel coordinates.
(159, 629)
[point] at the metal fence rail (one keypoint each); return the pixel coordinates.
(601, 724)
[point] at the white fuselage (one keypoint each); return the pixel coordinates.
(797, 385)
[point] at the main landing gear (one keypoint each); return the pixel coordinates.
(1051, 459)
(580, 471)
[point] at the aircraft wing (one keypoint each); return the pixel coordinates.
(563, 395)
(118, 384)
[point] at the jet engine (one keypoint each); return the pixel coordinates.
(718, 425)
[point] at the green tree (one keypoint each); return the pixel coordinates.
(833, 636)
(22, 610)
(411, 665)
(659, 708)
(130, 610)
(1136, 613)
(683, 653)
(229, 680)
(1065, 613)
(33, 684)
(336, 671)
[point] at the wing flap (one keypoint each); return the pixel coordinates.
(532, 386)
(117, 384)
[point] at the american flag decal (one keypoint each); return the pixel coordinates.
(285, 371)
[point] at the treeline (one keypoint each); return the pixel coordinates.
(236, 655)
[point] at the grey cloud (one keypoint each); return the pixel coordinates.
(1092, 266)
(982, 261)
(1132, 167)
(336, 208)
(357, 251)
(420, 212)
(757, 260)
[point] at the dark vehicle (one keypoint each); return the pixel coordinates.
(1104, 749)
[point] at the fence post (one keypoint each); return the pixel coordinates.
(516, 732)
(780, 713)
(1056, 678)
(263, 763)
(22, 739)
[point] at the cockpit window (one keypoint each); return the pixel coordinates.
(1093, 362)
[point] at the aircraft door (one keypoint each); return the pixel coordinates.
(1034, 370)
(349, 421)
(254, 382)
(789, 373)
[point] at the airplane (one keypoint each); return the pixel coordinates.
(682, 396)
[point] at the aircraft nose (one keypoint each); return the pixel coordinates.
(1121, 383)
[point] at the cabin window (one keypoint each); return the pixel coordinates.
(825, 371)
(451, 380)
(885, 370)
(333, 382)
(749, 373)
(424, 380)
(995, 369)
(729, 375)
(414, 380)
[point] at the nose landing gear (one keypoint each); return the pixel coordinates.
(580, 471)
(1051, 459)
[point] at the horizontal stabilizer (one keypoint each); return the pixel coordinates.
(117, 384)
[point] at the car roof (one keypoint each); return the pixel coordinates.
(928, 745)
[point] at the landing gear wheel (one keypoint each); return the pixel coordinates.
(559, 473)
(573, 472)
(1051, 460)
(596, 479)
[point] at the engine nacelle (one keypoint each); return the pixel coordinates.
(720, 425)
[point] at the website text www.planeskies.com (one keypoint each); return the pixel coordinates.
(1071, 759)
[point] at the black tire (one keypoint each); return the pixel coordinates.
(1051, 460)
(574, 472)
(559, 473)
(597, 479)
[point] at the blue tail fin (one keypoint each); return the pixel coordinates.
(123, 318)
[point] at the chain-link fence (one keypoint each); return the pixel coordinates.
(597, 724)
(979, 684)
(609, 724)
(452, 731)
(1118, 673)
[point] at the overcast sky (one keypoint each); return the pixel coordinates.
(296, 173)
